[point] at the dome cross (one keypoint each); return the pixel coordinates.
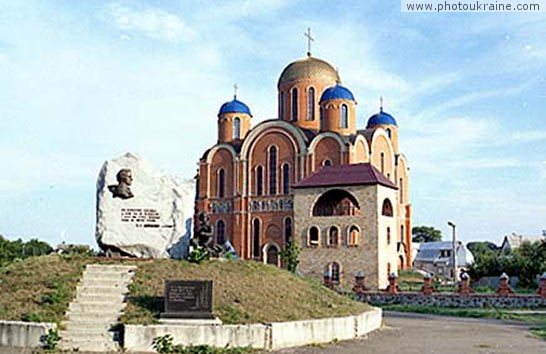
(309, 40)
(235, 88)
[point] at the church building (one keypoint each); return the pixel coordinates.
(312, 177)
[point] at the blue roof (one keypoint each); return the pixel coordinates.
(337, 92)
(380, 119)
(234, 106)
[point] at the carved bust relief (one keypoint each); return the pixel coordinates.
(123, 188)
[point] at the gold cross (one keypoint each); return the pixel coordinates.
(309, 40)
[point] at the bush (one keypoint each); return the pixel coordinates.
(50, 340)
(199, 255)
(290, 257)
(163, 344)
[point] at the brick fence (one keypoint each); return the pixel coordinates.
(504, 296)
(451, 299)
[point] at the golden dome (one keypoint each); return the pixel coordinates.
(309, 68)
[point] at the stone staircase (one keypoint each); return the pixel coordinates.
(100, 300)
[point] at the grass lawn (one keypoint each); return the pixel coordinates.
(244, 292)
(39, 288)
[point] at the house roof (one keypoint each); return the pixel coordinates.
(514, 241)
(431, 252)
(345, 175)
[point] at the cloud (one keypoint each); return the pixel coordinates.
(154, 23)
(528, 136)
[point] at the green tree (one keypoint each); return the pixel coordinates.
(36, 247)
(290, 257)
(526, 262)
(426, 234)
(481, 247)
(12, 250)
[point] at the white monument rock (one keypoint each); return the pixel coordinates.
(141, 211)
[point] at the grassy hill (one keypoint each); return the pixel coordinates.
(40, 289)
(244, 292)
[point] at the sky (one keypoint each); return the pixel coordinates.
(82, 82)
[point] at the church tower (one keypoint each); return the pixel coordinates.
(233, 121)
(338, 110)
(386, 121)
(300, 86)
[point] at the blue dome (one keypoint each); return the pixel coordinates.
(337, 92)
(234, 106)
(380, 119)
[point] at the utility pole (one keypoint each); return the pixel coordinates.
(454, 252)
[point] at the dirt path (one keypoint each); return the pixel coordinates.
(420, 334)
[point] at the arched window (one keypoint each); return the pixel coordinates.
(333, 236)
(220, 232)
(327, 162)
(402, 233)
(386, 210)
(256, 238)
(311, 104)
(287, 231)
(354, 235)
(285, 178)
(335, 271)
(344, 119)
(382, 162)
(314, 236)
(281, 106)
(295, 104)
(336, 202)
(388, 235)
(401, 191)
(389, 132)
(221, 183)
(321, 117)
(236, 128)
(259, 180)
(273, 170)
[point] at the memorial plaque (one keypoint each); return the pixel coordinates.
(142, 211)
(188, 299)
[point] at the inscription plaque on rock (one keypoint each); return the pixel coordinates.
(191, 299)
(142, 211)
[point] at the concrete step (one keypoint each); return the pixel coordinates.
(96, 307)
(101, 289)
(87, 332)
(89, 323)
(92, 316)
(108, 276)
(86, 297)
(100, 300)
(90, 283)
(112, 267)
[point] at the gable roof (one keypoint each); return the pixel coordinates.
(430, 252)
(514, 241)
(345, 175)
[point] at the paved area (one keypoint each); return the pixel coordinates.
(419, 334)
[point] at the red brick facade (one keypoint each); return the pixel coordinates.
(245, 180)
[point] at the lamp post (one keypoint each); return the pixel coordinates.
(454, 251)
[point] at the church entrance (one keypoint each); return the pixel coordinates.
(272, 255)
